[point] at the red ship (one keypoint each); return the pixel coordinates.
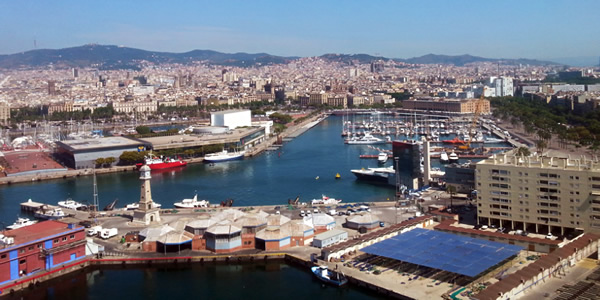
(157, 163)
(456, 140)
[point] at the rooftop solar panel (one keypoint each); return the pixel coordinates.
(444, 251)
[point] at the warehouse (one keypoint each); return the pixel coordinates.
(82, 154)
(329, 238)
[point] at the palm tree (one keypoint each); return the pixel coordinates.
(450, 189)
(541, 145)
(523, 151)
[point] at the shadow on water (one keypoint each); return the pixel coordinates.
(265, 280)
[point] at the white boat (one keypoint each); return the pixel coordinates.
(374, 174)
(136, 205)
(444, 157)
(367, 139)
(21, 222)
(50, 214)
(453, 157)
(382, 157)
(192, 203)
(72, 204)
(326, 201)
(223, 156)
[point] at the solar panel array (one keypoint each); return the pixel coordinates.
(444, 251)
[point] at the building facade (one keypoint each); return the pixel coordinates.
(39, 247)
(445, 105)
(539, 194)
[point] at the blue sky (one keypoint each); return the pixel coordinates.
(540, 29)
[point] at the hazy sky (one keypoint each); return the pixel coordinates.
(495, 28)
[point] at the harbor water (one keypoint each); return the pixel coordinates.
(305, 167)
(270, 280)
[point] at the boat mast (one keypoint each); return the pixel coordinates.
(95, 208)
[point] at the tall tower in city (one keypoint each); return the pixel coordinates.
(147, 212)
(51, 87)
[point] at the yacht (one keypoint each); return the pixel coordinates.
(453, 158)
(21, 222)
(191, 203)
(382, 157)
(72, 204)
(367, 139)
(223, 156)
(444, 157)
(50, 213)
(374, 174)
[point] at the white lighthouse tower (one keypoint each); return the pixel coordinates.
(146, 213)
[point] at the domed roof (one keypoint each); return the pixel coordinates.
(145, 168)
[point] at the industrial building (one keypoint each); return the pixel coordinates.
(542, 194)
(81, 154)
(39, 247)
(363, 222)
(329, 238)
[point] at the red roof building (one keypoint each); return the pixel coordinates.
(38, 247)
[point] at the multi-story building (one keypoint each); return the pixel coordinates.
(135, 106)
(38, 247)
(4, 112)
(447, 105)
(539, 194)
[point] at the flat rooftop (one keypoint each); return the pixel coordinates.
(98, 143)
(195, 140)
(444, 251)
(38, 232)
(18, 162)
(223, 112)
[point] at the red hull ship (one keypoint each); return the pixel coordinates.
(158, 163)
(456, 140)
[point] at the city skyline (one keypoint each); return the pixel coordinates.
(545, 30)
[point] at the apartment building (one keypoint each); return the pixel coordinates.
(448, 105)
(539, 194)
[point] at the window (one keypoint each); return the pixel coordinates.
(30, 248)
(3, 256)
(56, 241)
(22, 261)
(64, 238)
(72, 236)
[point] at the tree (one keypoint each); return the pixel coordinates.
(143, 129)
(523, 151)
(132, 157)
(109, 161)
(541, 145)
(450, 189)
(100, 161)
(281, 118)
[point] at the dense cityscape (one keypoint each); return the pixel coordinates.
(138, 173)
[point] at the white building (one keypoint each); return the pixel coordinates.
(231, 118)
(500, 87)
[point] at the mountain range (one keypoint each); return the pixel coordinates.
(118, 57)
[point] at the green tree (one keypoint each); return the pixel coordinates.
(450, 189)
(281, 118)
(143, 129)
(541, 145)
(109, 161)
(523, 151)
(100, 161)
(132, 157)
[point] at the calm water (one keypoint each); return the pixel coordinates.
(246, 281)
(270, 178)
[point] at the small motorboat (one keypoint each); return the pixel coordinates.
(21, 222)
(328, 276)
(192, 203)
(136, 205)
(444, 157)
(325, 201)
(338, 176)
(382, 157)
(50, 213)
(72, 204)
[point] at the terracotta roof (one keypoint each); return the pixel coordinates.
(38, 231)
(513, 280)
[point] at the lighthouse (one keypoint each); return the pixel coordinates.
(147, 212)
